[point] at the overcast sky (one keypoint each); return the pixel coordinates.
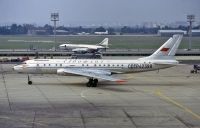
(87, 12)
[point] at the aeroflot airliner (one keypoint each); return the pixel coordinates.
(104, 69)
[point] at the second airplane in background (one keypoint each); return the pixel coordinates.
(85, 48)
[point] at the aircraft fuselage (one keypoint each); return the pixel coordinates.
(43, 66)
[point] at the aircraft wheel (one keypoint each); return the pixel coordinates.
(95, 81)
(30, 82)
(90, 83)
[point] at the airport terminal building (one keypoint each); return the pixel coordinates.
(171, 32)
(195, 32)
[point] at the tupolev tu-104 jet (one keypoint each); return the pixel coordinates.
(104, 69)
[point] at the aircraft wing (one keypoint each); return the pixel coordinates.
(94, 73)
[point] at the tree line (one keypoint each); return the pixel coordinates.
(16, 29)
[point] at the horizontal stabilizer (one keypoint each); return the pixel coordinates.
(165, 63)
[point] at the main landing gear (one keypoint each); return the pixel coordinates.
(29, 80)
(92, 82)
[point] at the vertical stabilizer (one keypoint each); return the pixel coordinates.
(168, 49)
(104, 43)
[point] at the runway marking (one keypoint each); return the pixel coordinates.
(44, 96)
(162, 96)
(84, 97)
(5, 87)
(82, 93)
(23, 120)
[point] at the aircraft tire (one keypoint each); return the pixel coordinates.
(95, 82)
(90, 83)
(30, 82)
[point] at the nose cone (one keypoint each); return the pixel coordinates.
(62, 46)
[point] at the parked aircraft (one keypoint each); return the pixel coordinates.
(83, 48)
(104, 69)
(101, 33)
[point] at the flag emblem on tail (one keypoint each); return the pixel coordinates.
(164, 49)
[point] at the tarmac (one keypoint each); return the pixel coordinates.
(166, 98)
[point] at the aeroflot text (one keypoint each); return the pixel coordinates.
(142, 66)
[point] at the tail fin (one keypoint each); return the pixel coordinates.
(168, 49)
(104, 43)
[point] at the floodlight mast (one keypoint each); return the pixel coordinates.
(190, 19)
(54, 18)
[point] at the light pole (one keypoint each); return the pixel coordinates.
(190, 19)
(54, 18)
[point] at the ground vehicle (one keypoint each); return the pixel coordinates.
(196, 68)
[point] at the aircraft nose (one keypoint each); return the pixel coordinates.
(60, 46)
(14, 68)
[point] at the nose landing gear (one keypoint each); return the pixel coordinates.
(29, 80)
(92, 82)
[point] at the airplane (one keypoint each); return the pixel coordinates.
(101, 33)
(83, 48)
(95, 69)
